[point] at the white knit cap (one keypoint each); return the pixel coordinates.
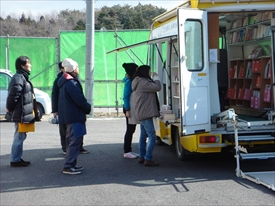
(69, 65)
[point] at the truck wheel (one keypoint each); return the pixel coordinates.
(182, 153)
(40, 112)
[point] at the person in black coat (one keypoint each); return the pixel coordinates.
(62, 127)
(21, 103)
(72, 110)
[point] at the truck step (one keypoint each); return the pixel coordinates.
(256, 138)
(265, 155)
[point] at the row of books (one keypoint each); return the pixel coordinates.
(263, 31)
(262, 16)
(250, 95)
(252, 67)
(248, 34)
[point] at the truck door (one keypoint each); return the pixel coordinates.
(194, 71)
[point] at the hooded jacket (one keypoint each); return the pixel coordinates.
(72, 104)
(145, 98)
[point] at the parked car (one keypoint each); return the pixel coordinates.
(43, 99)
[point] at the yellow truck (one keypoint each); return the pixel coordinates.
(216, 62)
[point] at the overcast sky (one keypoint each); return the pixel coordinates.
(36, 8)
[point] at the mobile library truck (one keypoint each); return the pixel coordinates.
(216, 62)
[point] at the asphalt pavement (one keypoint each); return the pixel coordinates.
(110, 179)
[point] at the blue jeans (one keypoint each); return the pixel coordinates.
(17, 144)
(147, 130)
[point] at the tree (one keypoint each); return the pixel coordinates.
(80, 25)
(111, 18)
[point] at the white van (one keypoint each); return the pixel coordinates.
(43, 99)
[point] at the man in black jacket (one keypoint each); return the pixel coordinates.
(21, 103)
(72, 110)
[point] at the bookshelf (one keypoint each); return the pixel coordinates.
(175, 81)
(250, 83)
(250, 63)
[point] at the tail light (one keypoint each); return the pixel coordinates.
(209, 139)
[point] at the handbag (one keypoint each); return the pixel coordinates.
(8, 116)
(25, 127)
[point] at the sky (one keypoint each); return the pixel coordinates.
(36, 8)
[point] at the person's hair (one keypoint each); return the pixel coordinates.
(130, 69)
(60, 66)
(143, 71)
(22, 60)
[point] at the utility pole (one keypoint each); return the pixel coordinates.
(89, 77)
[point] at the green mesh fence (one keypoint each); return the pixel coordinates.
(41, 51)
(108, 72)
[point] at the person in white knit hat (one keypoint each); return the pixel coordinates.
(69, 65)
(72, 110)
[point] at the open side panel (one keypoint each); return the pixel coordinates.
(194, 71)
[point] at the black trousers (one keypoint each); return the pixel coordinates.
(130, 130)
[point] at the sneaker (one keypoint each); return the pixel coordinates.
(148, 163)
(21, 163)
(64, 152)
(140, 160)
(130, 155)
(78, 168)
(135, 154)
(83, 151)
(71, 171)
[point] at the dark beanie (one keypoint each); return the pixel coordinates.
(130, 68)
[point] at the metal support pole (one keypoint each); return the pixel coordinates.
(116, 77)
(7, 53)
(89, 77)
(238, 169)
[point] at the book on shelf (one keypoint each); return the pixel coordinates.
(256, 52)
(267, 72)
(248, 34)
(258, 17)
(241, 93)
(247, 94)
(245, 21)
(267, 93)
(255, 100)
(252, 19)
(235, 71)
(231, 93)
(248, 73)
(266, 16)
(258, 81)
(256, 65)
(241, 72)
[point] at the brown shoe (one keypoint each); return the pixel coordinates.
(140, 160)
(148, 163)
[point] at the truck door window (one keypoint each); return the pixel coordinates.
(193, 45)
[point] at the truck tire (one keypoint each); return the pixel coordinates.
(40, 111)
(182, 153)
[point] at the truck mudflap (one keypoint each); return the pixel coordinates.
(264, 178)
